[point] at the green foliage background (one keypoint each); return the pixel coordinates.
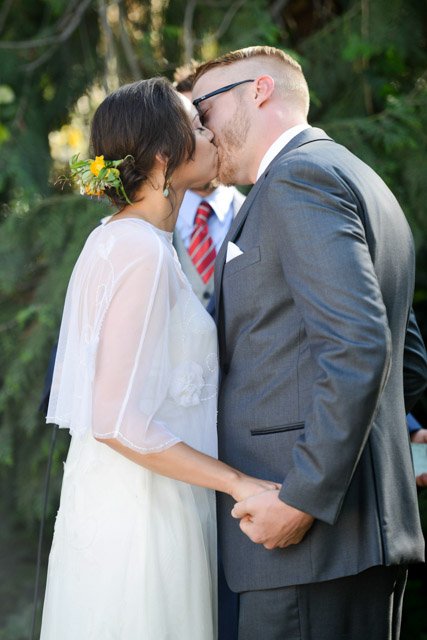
(365, 61)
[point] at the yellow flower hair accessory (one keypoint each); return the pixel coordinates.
(94, 175)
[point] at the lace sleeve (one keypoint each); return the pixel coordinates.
(122, 297)
(132, 368)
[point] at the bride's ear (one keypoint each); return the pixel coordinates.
(162, 161)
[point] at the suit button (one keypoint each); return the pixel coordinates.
(206, 295)
(225, 368)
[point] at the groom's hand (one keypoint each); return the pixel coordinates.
(267, 520)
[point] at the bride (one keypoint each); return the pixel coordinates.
(134, 550)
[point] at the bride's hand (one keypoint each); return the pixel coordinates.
(246, 486)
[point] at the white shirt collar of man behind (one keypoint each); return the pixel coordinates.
(278, 145)
(220, 201)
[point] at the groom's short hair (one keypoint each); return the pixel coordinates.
(286, 71)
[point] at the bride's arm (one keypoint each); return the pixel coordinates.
(133, 373)
(181, 462)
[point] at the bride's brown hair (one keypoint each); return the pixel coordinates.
(142, 119)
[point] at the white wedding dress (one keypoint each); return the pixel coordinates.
(134, 553)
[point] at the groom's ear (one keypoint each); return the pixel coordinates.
(264, 87)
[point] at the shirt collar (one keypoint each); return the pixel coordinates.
(220, 201)
(278, 145)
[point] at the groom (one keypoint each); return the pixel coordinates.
(314, 284)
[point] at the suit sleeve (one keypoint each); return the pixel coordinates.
(326, 261)
(414, 364)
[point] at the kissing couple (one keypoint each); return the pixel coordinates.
(320, 359)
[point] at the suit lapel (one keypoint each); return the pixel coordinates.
(232, 232)
(308, 135)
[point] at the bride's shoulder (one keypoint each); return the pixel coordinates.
(129, 240)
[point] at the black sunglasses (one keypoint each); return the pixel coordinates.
(215, 93)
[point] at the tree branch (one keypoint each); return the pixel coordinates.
(216, 4)
(40, 60)
(127, 46)
(367, 92)
(276, 9)
(226, 21)
(190, 7)
(56, 39)
(110, 56)
(23, 102)
(3, 13)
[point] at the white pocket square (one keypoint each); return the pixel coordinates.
(232, 251)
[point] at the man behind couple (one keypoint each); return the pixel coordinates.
(314, 284)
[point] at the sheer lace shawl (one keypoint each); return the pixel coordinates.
(113, 370)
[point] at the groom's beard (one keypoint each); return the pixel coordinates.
(230, 146)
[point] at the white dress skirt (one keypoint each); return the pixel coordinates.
(134, 553)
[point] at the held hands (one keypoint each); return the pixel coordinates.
(420, 436)
(421, 480)
(247, 486)
(267, 520)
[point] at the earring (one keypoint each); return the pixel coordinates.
(167, 185)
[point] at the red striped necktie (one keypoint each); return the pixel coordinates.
(202, 249)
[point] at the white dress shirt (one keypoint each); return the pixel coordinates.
(278, 145)
(221, 201)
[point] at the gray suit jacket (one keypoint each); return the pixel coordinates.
(313, 320)
(203, 291)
